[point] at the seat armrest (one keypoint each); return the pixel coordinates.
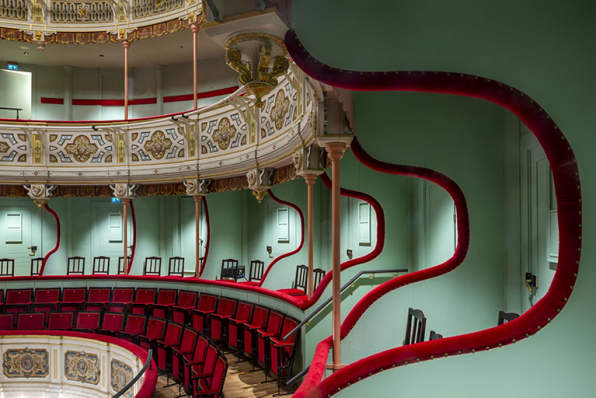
(202, 375)
(194, 363)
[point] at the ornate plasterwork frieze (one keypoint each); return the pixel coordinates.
(120, 375)
(28, 363)
(81, 366)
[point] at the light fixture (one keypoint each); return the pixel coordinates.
(26, 53)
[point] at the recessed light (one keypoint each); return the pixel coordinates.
(24, 47)
(101, 55)
(181, 46)
(26, 53)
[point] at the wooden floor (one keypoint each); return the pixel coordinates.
(240, 383)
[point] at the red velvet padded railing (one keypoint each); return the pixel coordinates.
(567, 187)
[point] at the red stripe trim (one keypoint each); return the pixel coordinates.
(55, 101)
(205, 94)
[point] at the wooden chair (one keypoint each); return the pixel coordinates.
(101, 265)
(506, 317)
(121, 264)
(6, 267)
(415, 327)
(434, 335)
(255, 273)
(176, 266)
(36, 265)
(318, 275)
(299, 282)
(76, 266)
(229, 269)
(152, 266)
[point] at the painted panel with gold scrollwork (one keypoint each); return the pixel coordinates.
(280, 110)
(81, 366)
(81, 11)
(75, 148)
(13, 9)
(13, 148)
(223, 133)
(167, 144)
(147, 8)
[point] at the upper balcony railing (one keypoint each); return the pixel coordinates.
(227, 138)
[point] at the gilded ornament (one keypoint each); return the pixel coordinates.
(121, 374)
(259, 194)
(26, 363)
(279, 110)
(81, 366)
(158, 144)
(224, 133)
(297, 159)
(4, 147)
(81, 148)
(251, 177)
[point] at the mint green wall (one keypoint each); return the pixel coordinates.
(542, 48)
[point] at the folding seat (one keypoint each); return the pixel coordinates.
(234, 325)
(121, 299)
(273, 329)
(255, 273)
(112, 323)
(203, 368)
(60, 320)
(73, 298)
(6, 321)
(88, 321)
(1, 298)
(31, 320)
(299, 282)
(226, 309)
(181, 311)
(282, 352)
(187, 346)
(98, 298)
(194, 359)
(206, 306)
(165, 346)
(144, 298)
(166, 298)
(212, 384)
(259, 320)
(155, 331)
(135, 325)
(46, 300)
(18, 300)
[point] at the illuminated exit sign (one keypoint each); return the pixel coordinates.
(13, 66)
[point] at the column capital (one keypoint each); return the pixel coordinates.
(336, 150)
(310, 178)
(309, 160)
(198, 186)
(126, 44)
(40, 193)
(124, 191)
(194, 28)
(260, 180)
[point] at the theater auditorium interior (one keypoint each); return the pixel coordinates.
(257, 198)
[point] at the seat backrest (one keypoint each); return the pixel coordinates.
(166, 296)
(76, 266)
(101, 265)
(121, 264)
(30, 320)
(112, 321)
(200, 349)
(99, 294)
(506, 317)
(189, 338)
(187, 299)
(19, 296)
(156, 328)
(229, 268)
(88, 319)
(288, 325)
(274, 323)
(145, 295)
(226, 307)
(173, 333)
(434, 335)
(244, 311)
(259, 316)
(135, 324)
(60, 320)
(210, 359)
(47, 295)
(6, 267)
(416, 327)
(74, 294)
(256, 270)
(207, 302)
(219, 374)
(6, 321)
(301, 277)
(318, 275)
(152, 266)
(36, 265)
(123, 294)
(176, 266)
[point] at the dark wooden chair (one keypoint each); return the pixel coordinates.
(6, 267)
(101, 265)
(299, 282)
(36, 265)
(121, 264)
(434, 335)
(506, 317)
(152, 266)
(229, 269)
(176, 266)
(76, 266)
(255, 272)
(318, 275)
(415, 327)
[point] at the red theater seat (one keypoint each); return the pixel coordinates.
(212, 384)
(235, 325)
(194, 359)
(31, 320)
(225, 309)
(206, 306)
(135, 325)
(187, 346)
(112, 323)
(60, 320)
(259, 320)
(166, 298)
(282, 353)
(18, 300)
(98, 298)
(143, 300)
(88, 321)
(6, 321)
(273, 329)
(165, 346)
(73, 298)
(46, 300)
(121, 299)
(155, 331)
(186, 301)
(204, 369)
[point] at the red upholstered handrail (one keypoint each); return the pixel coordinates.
(292, 252)
(204, 200)
(567, 188)
(134, 236)
(55, 249)
(150, 377)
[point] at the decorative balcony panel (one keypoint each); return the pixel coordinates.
(148, 8)
(81, 12)
(13, 9)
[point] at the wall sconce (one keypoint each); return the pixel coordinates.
(33, 250)
(270, 251)
(349, 253)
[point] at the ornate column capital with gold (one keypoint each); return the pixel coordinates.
(260, 180)
(198, 186)
(124, 191)
(309, 160)
(40, 193)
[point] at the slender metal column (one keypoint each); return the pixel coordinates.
(197, 199)
(310, 181)
(126, 45)
(195, 30)
(125, 234)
